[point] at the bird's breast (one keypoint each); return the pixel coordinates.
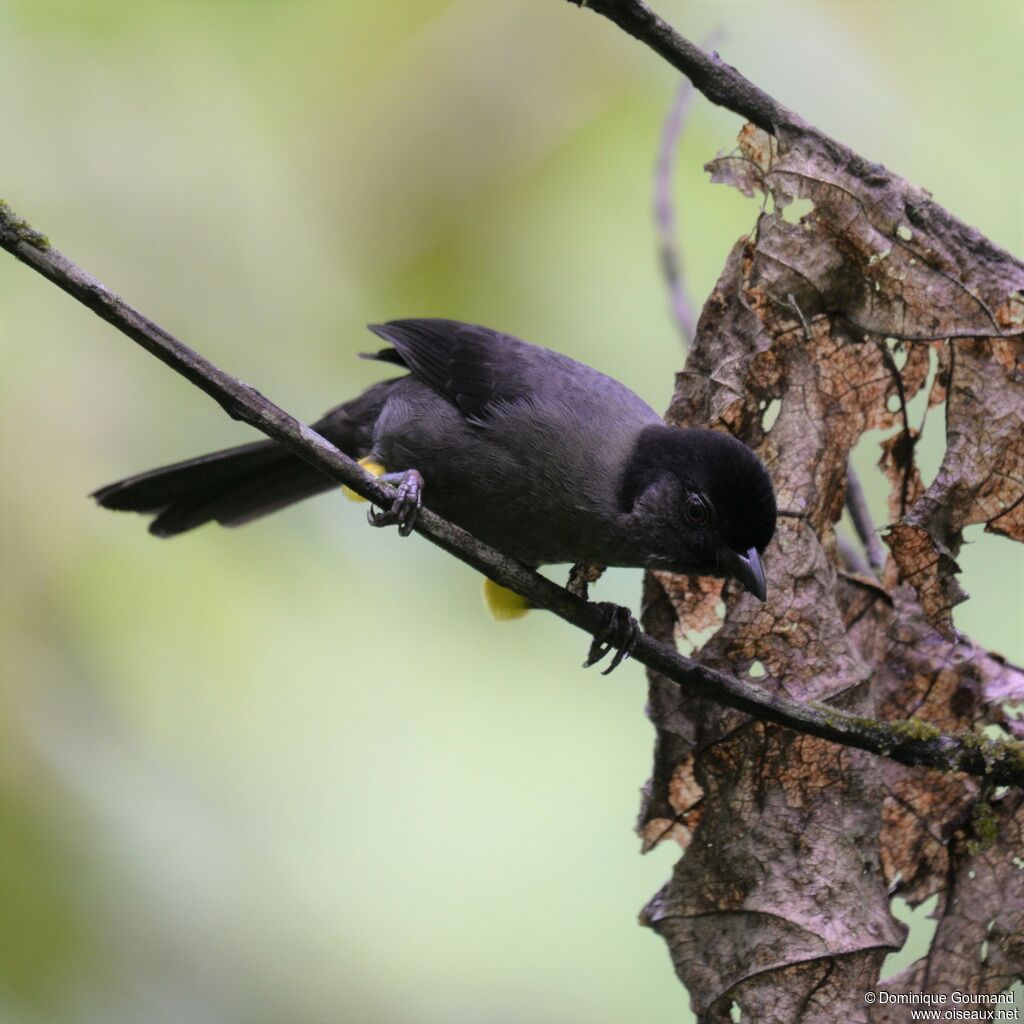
(537, 482)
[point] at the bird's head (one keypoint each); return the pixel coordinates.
(703, 502)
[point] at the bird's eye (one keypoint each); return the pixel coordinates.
(696, 510)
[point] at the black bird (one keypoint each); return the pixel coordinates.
(542, 457)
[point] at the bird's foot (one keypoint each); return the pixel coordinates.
(405, 509)
(619, 632)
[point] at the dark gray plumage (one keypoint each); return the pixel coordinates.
(545, 458)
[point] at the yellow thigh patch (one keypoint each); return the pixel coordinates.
(372, 467)
(504, 604)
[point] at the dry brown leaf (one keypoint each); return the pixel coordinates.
(781, 900)
(952, 685)
(786, 821)
(875, 250)
(874, 256)
(981, 478)
(978, 947)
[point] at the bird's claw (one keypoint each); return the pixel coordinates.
(405, 509)
(619, 632)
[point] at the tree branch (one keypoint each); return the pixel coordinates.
(718, 81)
(857, 506)
(909, 742)
(724, 86)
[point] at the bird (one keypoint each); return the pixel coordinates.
(540, 456)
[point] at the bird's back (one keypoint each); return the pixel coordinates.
(521, 445)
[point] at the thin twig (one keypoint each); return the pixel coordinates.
(724, 86)
(913, 743)
(907, 441)
(852, 557)
(669, 252)
(664, 212)
(857, 506)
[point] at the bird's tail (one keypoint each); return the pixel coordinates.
(231, 487)
(236, 485)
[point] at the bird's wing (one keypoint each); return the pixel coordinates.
(476, 369)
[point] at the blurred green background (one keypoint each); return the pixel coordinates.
(293, 772)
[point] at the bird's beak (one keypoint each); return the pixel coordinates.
(745, 568)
